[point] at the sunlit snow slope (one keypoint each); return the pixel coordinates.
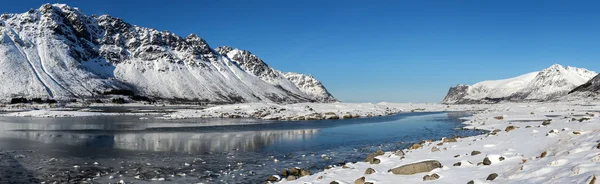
(57, 51)
(550, 83)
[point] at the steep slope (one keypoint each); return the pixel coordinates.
(590, 89)
(58, 52)
(554, 82)
(550, 83)
(311, 86)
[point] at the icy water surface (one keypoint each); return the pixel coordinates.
(149, 149)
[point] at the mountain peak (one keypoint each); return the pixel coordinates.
(556, 67)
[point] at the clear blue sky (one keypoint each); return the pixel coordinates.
(397, 51)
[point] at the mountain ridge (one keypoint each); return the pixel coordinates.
(548, 84)
(58, 52)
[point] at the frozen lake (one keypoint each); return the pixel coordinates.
(149, 149)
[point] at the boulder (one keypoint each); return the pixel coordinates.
(487, 161)
(510, 128)
(370, 171)
(543, 154)
(473, 153)
(546, 122)
(304, 172)
(273, 178)
(434, 176)
(291, 178)
(449, 140)
(379, 153)
(360, 180)
(419, 167)
(415, 146)
(492, 177)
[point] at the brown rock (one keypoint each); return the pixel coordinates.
(546, 122)
(510, 128)
(435, 149)
(273, 178)
(593, 181)
(576, 132)
(294, 172)
(415, 146)
(492, 177)
(473, 153)
(434, 176)
(543, 154)
(376, 161)
(360, 180)
(284, 173)
(379, 153)
(487, 161)
(291, 178)
(499, 117)
(370, 171)
(457, 164)
(419, 167)
(320, 177)
(304, 172)
(334, 182)
(449, 140)
(471, 182)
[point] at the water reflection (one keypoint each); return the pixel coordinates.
(224, 135)
(188, 142)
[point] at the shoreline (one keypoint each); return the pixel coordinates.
(523, 153)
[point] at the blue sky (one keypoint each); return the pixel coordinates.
(370, 51)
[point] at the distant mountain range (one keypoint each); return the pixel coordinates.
(554, 83)
(58, 52)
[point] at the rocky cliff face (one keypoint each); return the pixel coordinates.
(311, 86)
(57, 51)
(590, 89)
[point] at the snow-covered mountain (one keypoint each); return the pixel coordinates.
(550, 83)
(57, 51)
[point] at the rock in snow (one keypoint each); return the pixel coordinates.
(58, 52)
(551, 83)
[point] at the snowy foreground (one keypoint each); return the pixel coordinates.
(526, 143)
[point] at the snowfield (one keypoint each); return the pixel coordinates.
(526, 143)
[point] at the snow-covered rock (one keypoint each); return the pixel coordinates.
(57, 51)
(590, 89)
(550, 83)
(311, 86)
